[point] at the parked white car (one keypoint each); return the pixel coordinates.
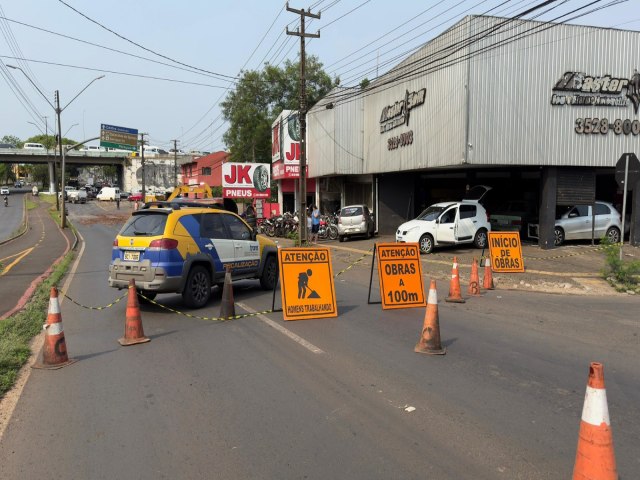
(575, 223)
(447, 223)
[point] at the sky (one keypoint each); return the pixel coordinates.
(177, 60)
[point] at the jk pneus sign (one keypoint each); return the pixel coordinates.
(286, 148)
(246, 180)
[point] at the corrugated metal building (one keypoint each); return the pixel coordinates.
(530, 107)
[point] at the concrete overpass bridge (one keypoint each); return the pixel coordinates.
(121, 160)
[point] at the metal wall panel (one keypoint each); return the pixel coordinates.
(437, 126)
(512, 120)
(334, 136)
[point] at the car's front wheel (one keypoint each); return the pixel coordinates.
(269, 273)
(481, 240)
(558, 236)
(426, 243)
(197, 290)
(613, 235)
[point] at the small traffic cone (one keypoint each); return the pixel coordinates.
(454, 286)
(133, 331)
(227, 306)
(54, 350)
(430, 338)
(474, 280)
(487, 283)
(595, 459)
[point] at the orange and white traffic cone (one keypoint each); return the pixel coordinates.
(474, 280)
(595, 459)
(54, 350)
(487, 283)
(133, 331)
(430, 338)
(455, 296)
(227, 305)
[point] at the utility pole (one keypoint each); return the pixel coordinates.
(144, 197)
(175, 163)
(302, 190)
(63, 209)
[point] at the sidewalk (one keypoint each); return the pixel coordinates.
(575, 268)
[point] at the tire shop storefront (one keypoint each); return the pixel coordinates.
(541, 113)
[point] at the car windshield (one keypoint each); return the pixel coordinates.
(351, 211)
(431, 213)
(146, 224)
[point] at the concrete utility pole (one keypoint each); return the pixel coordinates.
(302, 190)
(175, 163)
(144, 198)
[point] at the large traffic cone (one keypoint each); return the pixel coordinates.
(595, 459)
(133, 331)
(54, 350)
(454, 286)
(227, 306)
(430, 338)
(487, 282)
(474, 280)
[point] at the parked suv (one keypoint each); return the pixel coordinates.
(575, 223)
(171, 248)
(447, 223)
(355, 220)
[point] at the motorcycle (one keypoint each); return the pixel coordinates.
(327, 229)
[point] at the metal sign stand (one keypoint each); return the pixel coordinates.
(373, 262)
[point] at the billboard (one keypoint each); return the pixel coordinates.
(285, 138)
(246, 180)
(121, 138)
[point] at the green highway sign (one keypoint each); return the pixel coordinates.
(118, 137)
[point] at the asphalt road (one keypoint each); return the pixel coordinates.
(11, 216)
(328, 398)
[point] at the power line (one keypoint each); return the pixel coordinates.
(150, 77)
(141, 46)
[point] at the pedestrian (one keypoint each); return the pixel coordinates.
(118, 202)
(309, 225)
(315, 223)
(250, 216)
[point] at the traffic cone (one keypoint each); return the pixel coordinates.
(430, 338)
(54, 350)
(133, 331)
(595, 459)
(454, 286)
(487, 283)
(474, 280)
(227, 306)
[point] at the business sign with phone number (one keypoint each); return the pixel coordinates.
(603, 126)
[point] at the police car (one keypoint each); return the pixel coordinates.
(169, 247)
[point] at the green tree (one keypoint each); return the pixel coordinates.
(12, 139)
(258, 99)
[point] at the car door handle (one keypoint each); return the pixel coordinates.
(238, 246)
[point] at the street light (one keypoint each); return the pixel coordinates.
(37, 126)
(58, 110)
(74, 125)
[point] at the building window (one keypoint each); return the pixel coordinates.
(206, 170)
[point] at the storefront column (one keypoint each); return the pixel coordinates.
(549, 186)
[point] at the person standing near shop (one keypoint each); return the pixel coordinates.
(315, 223)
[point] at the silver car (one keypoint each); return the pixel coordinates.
(575, 223)
(355, 220)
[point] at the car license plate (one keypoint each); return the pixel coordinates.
(132, 256)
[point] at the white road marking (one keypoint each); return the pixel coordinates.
(309, 346)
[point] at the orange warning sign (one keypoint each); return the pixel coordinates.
(506, 252)
(400, 274)
(307, 283)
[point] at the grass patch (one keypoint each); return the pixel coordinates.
(623, 275)
(17, 331)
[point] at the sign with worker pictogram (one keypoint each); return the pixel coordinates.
(307, 289)
(505, 251)
(400, 275)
